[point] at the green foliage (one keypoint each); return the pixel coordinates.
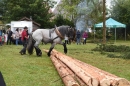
(123, 49)
(71, 11)
(120, 10)
(69, 8)
(112, 48)
(59, 20)
(12, 10)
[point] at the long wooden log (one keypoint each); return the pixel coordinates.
(66, 76)
(76, 78)
(79, 72)
(105, 78)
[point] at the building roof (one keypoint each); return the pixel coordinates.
(25, 18)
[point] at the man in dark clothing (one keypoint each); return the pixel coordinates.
(78, 35)
(24, 39)
(9, 36)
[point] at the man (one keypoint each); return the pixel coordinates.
(24, 38)
(78, 34)
(9, 36)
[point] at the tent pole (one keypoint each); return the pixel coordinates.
(115, 34)
(125, 34)
(94, 34)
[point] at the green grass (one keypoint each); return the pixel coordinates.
(30, 70)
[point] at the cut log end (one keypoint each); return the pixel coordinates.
(105, 82)
(95, 82)
(122, 82)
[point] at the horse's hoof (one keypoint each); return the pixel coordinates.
(40, 54)
(65, 51)
(48, 54)
(22, 53)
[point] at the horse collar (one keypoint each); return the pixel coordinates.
(58, 33)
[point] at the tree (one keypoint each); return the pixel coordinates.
(120, 10)
(70, 10)
(38, 10)
(59, 20)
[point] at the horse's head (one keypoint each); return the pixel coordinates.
(67, 30)
(71, 33)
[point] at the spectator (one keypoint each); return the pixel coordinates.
(3, 38)
(85, 36)
(0, 40)
(9, 36)
(13, 38)
(20, 35)
(17, 36)
(24, 39)
(78, 35)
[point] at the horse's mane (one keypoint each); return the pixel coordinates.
(63, 29)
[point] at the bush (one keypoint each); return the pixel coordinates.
(114, 48)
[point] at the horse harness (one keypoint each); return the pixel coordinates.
(57, 32)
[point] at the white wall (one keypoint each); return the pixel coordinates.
(21, 25)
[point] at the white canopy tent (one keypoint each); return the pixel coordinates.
(111, 23)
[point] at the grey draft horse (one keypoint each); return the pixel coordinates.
(53, 36)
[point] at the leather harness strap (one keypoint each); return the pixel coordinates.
(58, 33)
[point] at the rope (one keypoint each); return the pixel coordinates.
(61, 77)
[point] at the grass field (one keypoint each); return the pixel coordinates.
(30, 70)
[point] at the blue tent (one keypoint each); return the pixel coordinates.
(111, 23)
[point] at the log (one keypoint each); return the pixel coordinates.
(105, 78)
(66, 76)
(76, 78)
(79, 72)
(89, 74)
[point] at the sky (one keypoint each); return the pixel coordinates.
(108, 2)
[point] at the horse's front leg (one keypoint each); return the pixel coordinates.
(38, 50)
(51, 48)
(65, 47)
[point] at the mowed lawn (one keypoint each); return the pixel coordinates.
(30, 70)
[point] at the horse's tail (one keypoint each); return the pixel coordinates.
(30, 45)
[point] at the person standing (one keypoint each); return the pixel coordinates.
(17, 36)
(20, 35)
(78, 35)
(0, 40)
(85, 36)
(24, 38)
(9, 36)
(3, 38)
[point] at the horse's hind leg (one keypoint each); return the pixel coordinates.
(38, 51)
